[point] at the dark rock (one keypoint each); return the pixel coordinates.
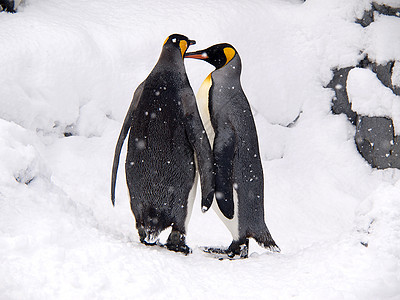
(364, 63)
(374, 137)
(395, 154)
(340, 103)
(384, 73)
(68, 134)
(383, 9)
(396, 78)
(376, 141)
(367, 18)
(27, 181)
(69, 130)
(386, 10)
(396, 90)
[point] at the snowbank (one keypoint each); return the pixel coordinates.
(70, 68)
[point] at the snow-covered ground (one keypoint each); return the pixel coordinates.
(72, 66)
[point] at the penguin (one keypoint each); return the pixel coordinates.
(167, 144)
(229, 123)
(9, 5)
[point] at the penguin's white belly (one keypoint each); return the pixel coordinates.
(202, 103)
(231, 224)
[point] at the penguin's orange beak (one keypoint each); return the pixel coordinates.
(197, 55)
(192, 42)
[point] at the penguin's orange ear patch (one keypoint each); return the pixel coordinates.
(229, 54)
(183, 45)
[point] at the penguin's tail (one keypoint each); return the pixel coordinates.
(264, 239)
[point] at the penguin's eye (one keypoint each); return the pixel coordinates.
(174, 40)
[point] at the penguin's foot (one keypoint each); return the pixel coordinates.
(142, 234)
(152, 243)
(237, 250)
(223, 253)
(179, 248)
(214, 250)
(148, 239)
(176, 242)
(240, 248)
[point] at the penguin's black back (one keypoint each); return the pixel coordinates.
(160, 167)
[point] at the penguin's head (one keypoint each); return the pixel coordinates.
(218, 55)
(178, 41)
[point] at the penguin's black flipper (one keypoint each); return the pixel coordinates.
(198, 138)
(122, 135)
(224, 151)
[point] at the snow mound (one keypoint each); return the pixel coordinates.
(383, 39)
(21, 160)
(369, 97)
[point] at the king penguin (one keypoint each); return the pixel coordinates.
(229, 123)
(166, 143)
(9, 5)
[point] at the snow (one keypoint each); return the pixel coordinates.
(383, 39)
(72, 66)
(369, 97)
(396, 74)
(392, 3)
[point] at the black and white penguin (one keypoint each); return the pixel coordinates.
(167, 141)
(9, 5)
(229, 123)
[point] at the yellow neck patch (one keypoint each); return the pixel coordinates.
(202, 95)
(229, 53)
(202, 104)
(183, 45)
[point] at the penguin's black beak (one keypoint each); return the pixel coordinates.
(192, 42)
(197, 55)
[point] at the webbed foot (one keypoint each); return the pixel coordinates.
(176, 242)
(240, 248)
(147, 239)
